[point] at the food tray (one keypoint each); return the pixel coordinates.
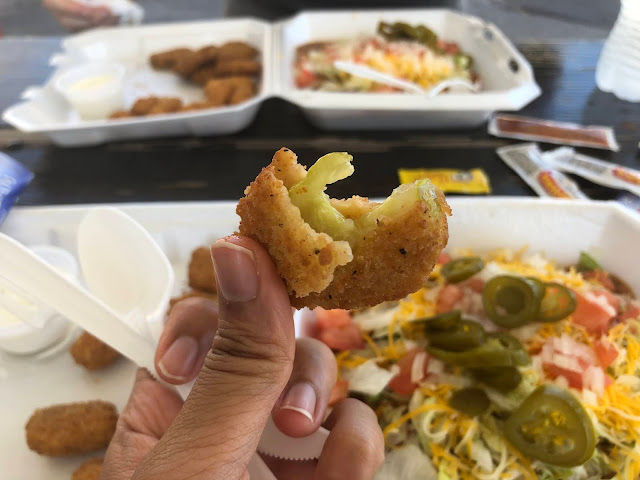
(557, 229)
(507, 78)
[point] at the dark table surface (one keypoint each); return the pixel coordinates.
(218, 168)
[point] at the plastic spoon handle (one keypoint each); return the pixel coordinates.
(32, 275)
(371, 74)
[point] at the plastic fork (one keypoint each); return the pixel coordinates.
(363, 71)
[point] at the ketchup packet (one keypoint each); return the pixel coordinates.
(527, 161)
(566, 159)
(13, 178)
(563, 133)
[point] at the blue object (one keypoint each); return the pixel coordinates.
(13, 178)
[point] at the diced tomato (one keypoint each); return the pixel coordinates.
(632, 311)
(344, 338)
(601, 277)
(305, 78)
(448, 47)
(336, 318)
(564, 357)
(595, 310)
(444, 258)
(474, 283)
(448, 296)
(340, 392)
(401, 383)
(606, 352)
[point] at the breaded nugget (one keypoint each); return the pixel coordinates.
(165, 105)
(343, 254)
(89, 470)
(71, 429)
(191, 107)
(167, 59)
(193, 293)
(238, 67)
(218, 91)
(204, 73)
(208, 54)
(243, 90)
(92, 353)
(143, 106)
(201, 273)
(120, 114)
(187, 64)
(236, 50)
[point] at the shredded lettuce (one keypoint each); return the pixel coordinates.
(406, 463)
(369, 378)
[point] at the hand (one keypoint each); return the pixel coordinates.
(248, 366)
(76, 16)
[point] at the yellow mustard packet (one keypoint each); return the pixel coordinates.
(449, 180)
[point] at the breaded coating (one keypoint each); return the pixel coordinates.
(143, 106)
(208, 54)
(167, 60)
(191, 107)
(89, 470)
(305, 259)
(236, 50)
(204, 73)
(238, 67)
(120, 114)
(191, 294)
(389, 260)
(92, 353)
(71, 429)
(201, 273)
(218, 91)
(165, 105)
(243, 90)
(187, 64)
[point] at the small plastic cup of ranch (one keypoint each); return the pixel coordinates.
(94, 91)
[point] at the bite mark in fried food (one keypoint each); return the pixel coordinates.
(343, 253)
(237, 67)
(201, 272)
(89, 470)
(71, 429)
(92, 353)
(167, 60)
(236, 50)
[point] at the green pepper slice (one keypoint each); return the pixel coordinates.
(470, 401)
(557, 303)
(460, 269)
(552, 426)
(464, 336)
(587, 263)
(439, 323)
(512, 301)
(491, 354)
(503, 379)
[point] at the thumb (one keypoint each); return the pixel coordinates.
(246, 370)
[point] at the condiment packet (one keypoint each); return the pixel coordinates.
(526, 160)
(13, 178)
(566, 159)
(449, 180)
(563, 133)
(128, 12)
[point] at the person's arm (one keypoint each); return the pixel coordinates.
(75, 16)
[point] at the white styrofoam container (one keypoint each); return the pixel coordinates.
(558, 229)
(507, 78)
(45, 111)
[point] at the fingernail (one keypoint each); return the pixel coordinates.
(236, 272)
(301, 398)
(180, 358)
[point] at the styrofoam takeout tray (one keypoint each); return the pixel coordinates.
(557, 229)
(507, 78)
